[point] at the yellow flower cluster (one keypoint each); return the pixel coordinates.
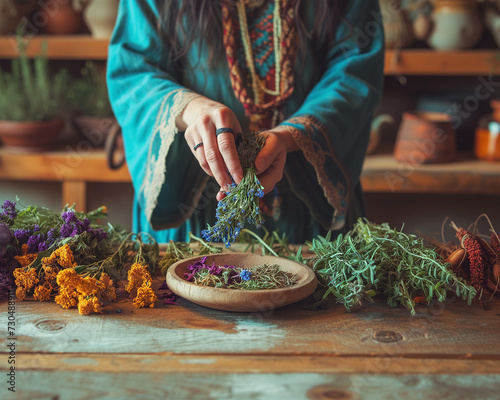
(24, 280)
(63, 256)
(139, 286)
(42, 292)
(25, 259)
(145, 296)
(88, 293)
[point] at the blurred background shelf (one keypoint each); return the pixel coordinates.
(74, 47)
(432, 62)
(404, 62)
(73, 170)
(383, 174)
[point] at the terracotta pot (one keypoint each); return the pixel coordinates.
(93, 129)
(425, 138)
(397, 25)
(62, 19)
(487, 139)
(30, 135)
(12, 11)
(456, 25)
(100, 16)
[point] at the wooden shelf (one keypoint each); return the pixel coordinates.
(74, 171)
(76, 47)
(404, 62)
(432, 62)
(382, 173)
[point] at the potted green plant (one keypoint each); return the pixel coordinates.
(93, 117)
(31, 102)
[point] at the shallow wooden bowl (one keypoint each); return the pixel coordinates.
(242, 300)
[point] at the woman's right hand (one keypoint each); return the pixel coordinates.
(218, 155)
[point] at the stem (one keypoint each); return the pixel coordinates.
(260, 241)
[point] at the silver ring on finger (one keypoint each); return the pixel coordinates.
(198, 145)
(223, 130)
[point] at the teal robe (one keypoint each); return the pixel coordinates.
(329, 115)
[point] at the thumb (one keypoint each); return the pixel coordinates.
(261, 163)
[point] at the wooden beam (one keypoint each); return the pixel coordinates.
(89, 166)
(81, 47)
(382, 173)
(432, 62)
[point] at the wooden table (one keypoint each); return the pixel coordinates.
(446, 351)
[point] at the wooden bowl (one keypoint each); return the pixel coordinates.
(242, 300)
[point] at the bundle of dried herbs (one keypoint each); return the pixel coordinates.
(241, 203)
(477, 258)
(376, 259)
(259, 277)
(69, 256)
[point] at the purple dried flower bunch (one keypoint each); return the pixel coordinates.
(241, 203)
(7, 262)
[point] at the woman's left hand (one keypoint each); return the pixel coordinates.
(270, 162)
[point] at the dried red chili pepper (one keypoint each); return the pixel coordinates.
(477, 257)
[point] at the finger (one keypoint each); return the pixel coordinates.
(227, 145)
(267, 155)
(221, 195)
(193, 139)
(272, 175)
(212, 154)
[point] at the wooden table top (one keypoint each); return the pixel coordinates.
(446, 351)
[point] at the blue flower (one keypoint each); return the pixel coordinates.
(245, 275)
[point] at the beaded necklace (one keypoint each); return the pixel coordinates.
(262, 103)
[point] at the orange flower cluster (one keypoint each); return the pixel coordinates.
(25, 259)
(63, 257)
(24, 280)
(139, 286)
(89, 294)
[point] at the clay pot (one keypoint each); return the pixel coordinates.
(62, 19)
(487, 139)
(456, 25)
(30, 135)
(100, 16)
(397, 24)
(425, 138)
(93, 129)
(11, 12)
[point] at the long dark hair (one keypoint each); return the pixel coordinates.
(182, 22)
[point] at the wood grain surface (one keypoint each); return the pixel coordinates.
(446, 351)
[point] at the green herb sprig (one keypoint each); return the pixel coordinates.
(241, 203)
(373, 259)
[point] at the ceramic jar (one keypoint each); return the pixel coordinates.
(100, 16)
(425, 138)
(456, 25)
(63, 19)
(30, 136)
(397, 24)
(487, 140)
(492, 20)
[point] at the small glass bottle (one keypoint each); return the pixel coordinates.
(487, 140)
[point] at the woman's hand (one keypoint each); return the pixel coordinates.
(217, 155)
(270, 162)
